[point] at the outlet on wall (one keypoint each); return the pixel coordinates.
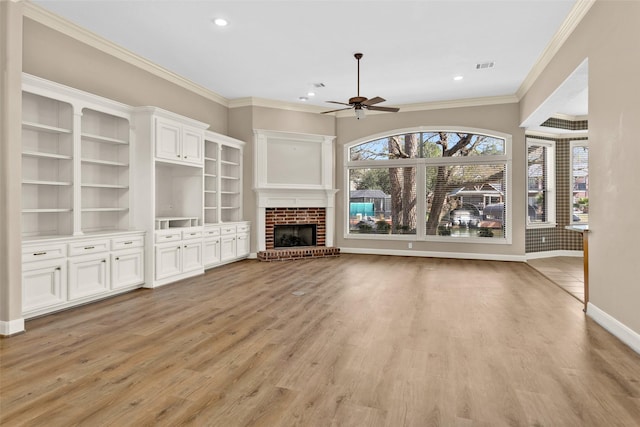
(410, 245)
(544, 239)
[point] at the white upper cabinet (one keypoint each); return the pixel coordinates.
(178, 142)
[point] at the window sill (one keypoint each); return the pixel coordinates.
(542, 225)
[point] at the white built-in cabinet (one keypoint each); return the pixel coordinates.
(116, 197)
(194, 190)
(76, 198)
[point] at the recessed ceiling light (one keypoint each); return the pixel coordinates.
(311, 93)
(458, 78)
(220, 22)
(303, 98)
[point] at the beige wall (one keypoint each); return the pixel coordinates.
(502, 118)
(10, 163)
(608, 36)
(54, 56)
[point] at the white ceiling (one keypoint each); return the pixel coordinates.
(278, 49)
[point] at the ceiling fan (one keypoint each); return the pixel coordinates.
(360, 103)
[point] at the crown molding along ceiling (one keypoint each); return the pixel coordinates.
(272, 53)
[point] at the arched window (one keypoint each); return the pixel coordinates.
(429, 184)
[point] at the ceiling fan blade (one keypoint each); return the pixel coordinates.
(339, 109)
(388, 109)
(336, 102)
(372, 101)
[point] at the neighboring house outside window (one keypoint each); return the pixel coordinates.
(541, 198)
(579, 182)
(431, 185)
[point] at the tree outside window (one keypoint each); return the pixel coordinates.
(449, 176)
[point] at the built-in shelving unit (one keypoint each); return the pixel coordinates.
(223, 179)
(47, 166)
(78, 242)
(105, 171)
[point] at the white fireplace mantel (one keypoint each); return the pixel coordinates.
(293, 170)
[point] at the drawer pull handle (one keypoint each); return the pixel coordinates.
(89, 247)
(58, 268)
(192, 234)
(128, 243)
(168, 237)
(117, 258)
(39, 253)
(104, 260)
(177, 155)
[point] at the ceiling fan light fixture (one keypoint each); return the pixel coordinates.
(359, 113)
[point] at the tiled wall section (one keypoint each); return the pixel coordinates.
(566, 124)
(284, 216)
(557, 238)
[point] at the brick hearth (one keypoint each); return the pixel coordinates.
(297, 253)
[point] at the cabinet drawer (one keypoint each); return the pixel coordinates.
(42, 252)
(191, 234)
(168, 237)
(88, 247)
(212, 232)
(228, 229)
(127, 242)
(243, 228)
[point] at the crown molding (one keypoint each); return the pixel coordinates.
(568, 135)
(579, 10)
(438, 105)
(569, 117)
(272, 103)
(53, 21)
(442, 105)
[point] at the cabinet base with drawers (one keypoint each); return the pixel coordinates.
(178, 254)
(59, 273)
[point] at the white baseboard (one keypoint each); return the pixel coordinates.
(430, 254)
(549, 254)
(620, 330)
(11, 327)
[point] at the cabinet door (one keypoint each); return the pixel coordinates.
(211, 252)
(192, 256)
(127, 268)
(168, 260)
(192, 146)
(227, 248)
(168, 140)
(242, 249)
(44, 284)
(88, 275)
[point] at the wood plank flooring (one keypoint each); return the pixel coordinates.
(566, 272)
(373, 341)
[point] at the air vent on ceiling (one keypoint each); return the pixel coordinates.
(485, 65)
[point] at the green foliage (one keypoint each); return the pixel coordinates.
(383, 226)
(365, 228)
(485, 232)
(444, 231)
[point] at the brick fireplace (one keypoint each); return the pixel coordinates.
(293, 176)
(288, 216)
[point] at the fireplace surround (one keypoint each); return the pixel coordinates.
(293, 182)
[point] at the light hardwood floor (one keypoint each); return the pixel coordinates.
(566, 272)
(373, 341)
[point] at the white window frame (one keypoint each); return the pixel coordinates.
(572, 144)
(420, 164)
(550, 199)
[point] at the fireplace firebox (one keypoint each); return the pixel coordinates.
(294, 235)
